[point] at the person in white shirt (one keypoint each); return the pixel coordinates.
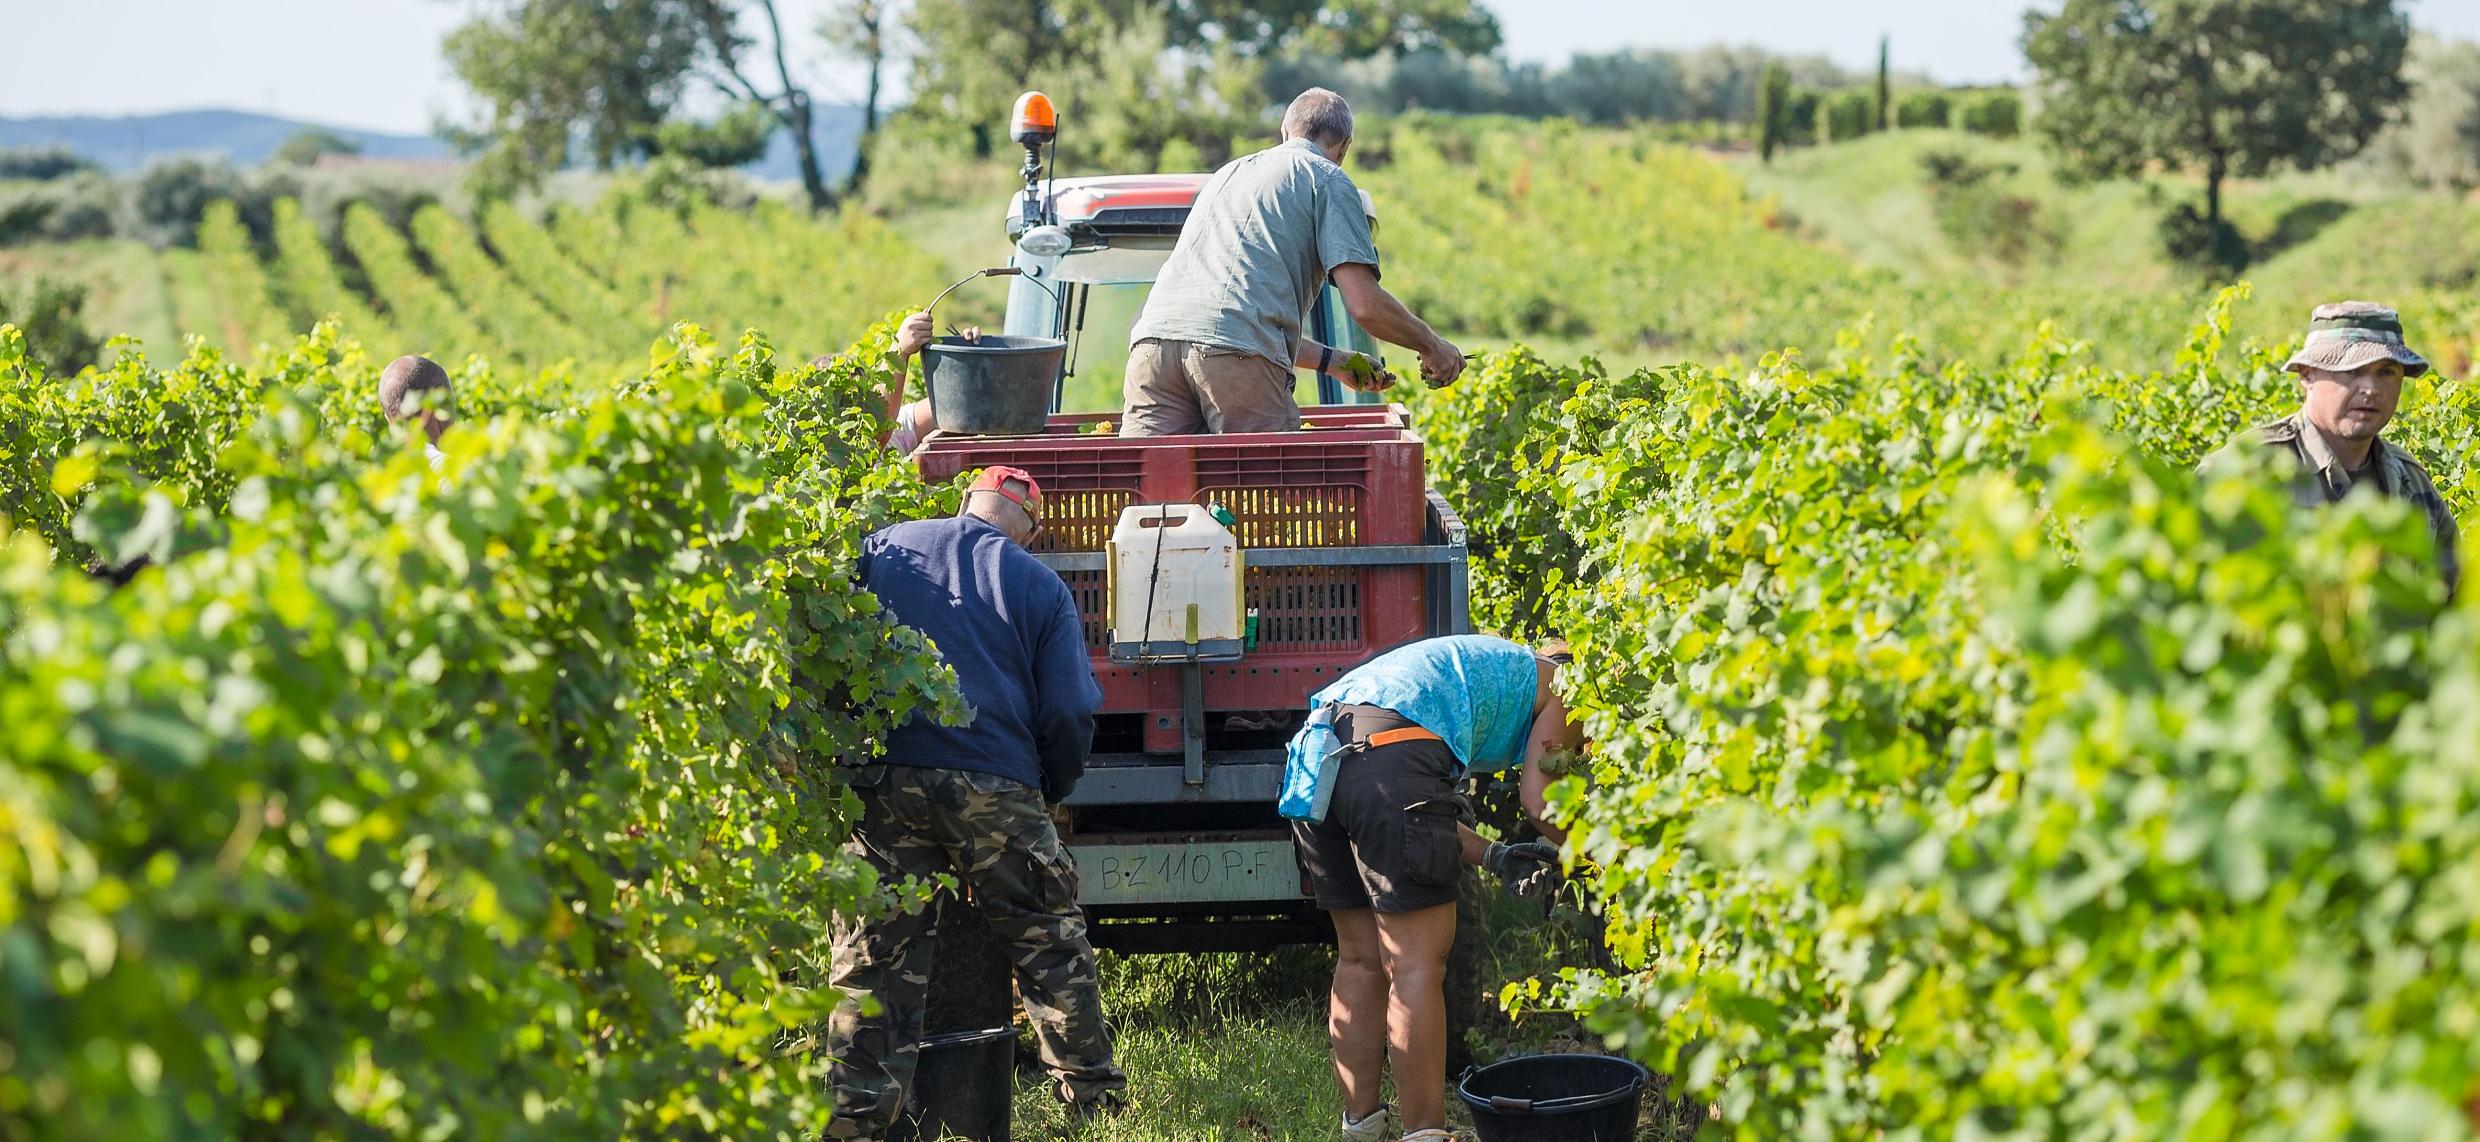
(911, 420)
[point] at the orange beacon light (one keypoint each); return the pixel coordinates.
(1034, 121)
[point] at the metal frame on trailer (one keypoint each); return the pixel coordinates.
(1256, 775)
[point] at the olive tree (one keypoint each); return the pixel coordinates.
(2227, 88)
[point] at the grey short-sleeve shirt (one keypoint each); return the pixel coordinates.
(1264, 234)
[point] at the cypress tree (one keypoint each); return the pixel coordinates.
(1773, 109)
(1885, 86)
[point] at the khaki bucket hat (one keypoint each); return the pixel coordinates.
(2351, 335)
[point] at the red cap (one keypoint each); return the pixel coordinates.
(1014, 483)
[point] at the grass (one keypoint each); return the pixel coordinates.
(1215, 1046)
(194, 307)
(1870, 200)
(126, 291)
(1233, 1046)
(964, 237)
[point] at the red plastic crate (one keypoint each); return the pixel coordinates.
(1354, 479)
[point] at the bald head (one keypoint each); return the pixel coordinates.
(410, 383)
(1320, 116)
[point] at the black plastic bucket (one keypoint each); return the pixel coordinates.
(997, 386)
(962, 1089)
(1555, 1098)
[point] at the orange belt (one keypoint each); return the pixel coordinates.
(1406, 734)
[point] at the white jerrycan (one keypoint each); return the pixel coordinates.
(1174, 585)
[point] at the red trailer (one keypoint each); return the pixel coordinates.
(1347, 554)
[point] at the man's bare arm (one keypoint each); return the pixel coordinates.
(1550, 734)
(1386, 318)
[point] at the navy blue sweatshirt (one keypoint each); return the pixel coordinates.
(1010, 628)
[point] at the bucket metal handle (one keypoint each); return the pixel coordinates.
(992, 272)
(1506, 1105)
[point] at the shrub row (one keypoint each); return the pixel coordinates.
(482, 802)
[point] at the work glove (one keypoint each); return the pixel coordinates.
(1530, 870)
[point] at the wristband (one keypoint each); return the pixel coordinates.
(1326, 359)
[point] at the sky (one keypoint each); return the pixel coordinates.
(375, 64)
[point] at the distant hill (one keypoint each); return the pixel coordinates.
(128, 142)
(123, 143)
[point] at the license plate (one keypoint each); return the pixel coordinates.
(1178, 872)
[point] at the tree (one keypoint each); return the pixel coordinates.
(732, 139)
(859, 30)
(46, 311)
(2227, 87)
(553, 75)
(1140, 115)
(1997, 113)
(1773, 110)
(1885, 84)
(608, 74)
(726, 44)
(170, 197)
(307, 146)
(43, 164)
(975, 55)
(1844, 115)
(1923, 108)
(2438, 141)
(1350, 29)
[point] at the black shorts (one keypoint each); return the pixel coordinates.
(1389, 840)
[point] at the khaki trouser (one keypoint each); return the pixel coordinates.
(1175, 388)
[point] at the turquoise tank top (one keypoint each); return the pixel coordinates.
(1475, 691)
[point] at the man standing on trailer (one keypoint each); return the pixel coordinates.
(2351, 373)
(973, 801)
(1221, 332)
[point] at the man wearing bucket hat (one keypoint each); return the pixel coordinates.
(972, 801)
(2351, 372)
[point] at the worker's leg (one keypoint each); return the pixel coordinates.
(885, 958)
(1356, 1003)
(1242, 392)
(1356, 1013)
(1398, 803)
(1415, 946)
(1158, 396)
(1026, 885)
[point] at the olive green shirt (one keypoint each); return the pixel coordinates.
(2323, 480)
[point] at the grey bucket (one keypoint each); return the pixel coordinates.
(997, 386)
(963, 1087)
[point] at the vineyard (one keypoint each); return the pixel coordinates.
(1964, 764)
(1967, 767)
(589, 287)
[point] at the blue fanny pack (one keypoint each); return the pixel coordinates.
(1309, 768)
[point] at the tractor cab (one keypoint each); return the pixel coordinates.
(1090, 249)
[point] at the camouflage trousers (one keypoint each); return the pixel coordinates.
(995, 836)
